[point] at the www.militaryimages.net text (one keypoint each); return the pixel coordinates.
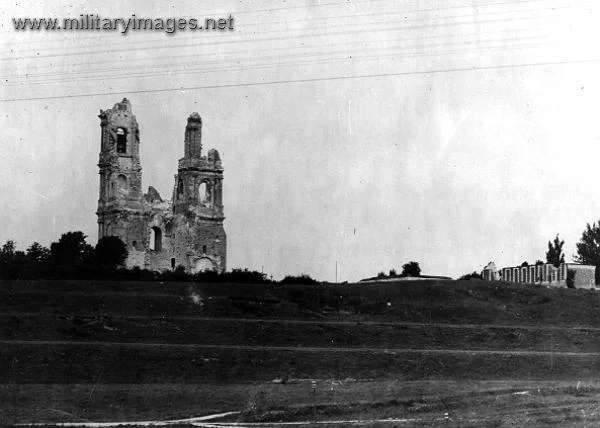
(92, 22)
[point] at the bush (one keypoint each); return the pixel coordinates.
(111, 251)
(72, 250)
(473, 275)
(411, 269)
(302, 279)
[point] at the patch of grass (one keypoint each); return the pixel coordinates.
(105, 381)
(473, 301)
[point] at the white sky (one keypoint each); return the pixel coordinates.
(417, 162)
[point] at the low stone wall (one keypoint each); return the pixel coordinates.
(584, 276)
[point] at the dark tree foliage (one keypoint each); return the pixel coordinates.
(570, 278)
(14, 263)
(301, 279)
(473, 275)
(11, 260)
(245, 275)
(539, 262)
(588, 248)
(554, 254)
(7, 252)
(381, 274)
(178, 274)
(72, 250)
(393, 272)
(111, 251)
(411, 269)
(239, 276)
(524, 264)
(72, 258)
(37, 253)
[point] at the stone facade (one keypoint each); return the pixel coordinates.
(583, 276)
(161, 234)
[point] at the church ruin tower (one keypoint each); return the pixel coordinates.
(160, 234)
(199, 180)
(198, 195)
(120, 206)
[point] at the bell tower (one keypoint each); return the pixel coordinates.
(198, 197)
(120, 206)
(199, 180)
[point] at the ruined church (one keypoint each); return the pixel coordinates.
(161, 234)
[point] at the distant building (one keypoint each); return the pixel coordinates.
(583, 276)
(489, 272)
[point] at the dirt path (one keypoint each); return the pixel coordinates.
(352, 422)
(328, 322)
(297, 348)
(188, 421)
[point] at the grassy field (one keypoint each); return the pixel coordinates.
(451, 353)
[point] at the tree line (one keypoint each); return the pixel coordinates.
(71, 257)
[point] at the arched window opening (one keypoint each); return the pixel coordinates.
(121, 141)
(204, 249)
(155, 239)
(203, 192)
(180, 189)
(152, 239)
(202, 265)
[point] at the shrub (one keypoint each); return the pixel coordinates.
(473, 275)
(301, 279)
(411, 269)
(111, 251)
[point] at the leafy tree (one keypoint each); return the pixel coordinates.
(37, 254)
(7, 252)
(524, 264)
(12, 262)
(393, 272)
(111, 251)
(411, 269)
(539, 262)
(71, 250)
(381, 274)
(588, 248)
(554, 254)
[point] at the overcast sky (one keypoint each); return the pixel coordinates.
(370, 133)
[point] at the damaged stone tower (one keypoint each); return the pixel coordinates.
(160, 234)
